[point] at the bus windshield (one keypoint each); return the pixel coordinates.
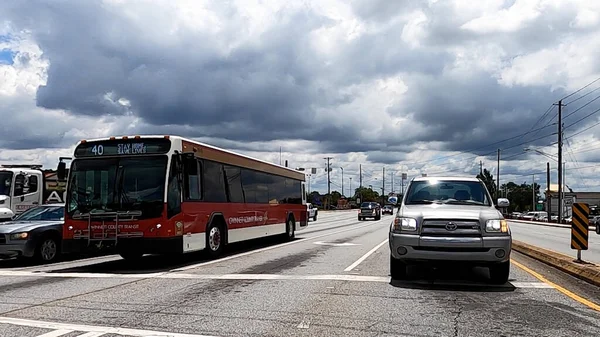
(5, 182)
(118, 184)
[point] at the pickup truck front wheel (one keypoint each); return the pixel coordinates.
(397, 269)
(499, 272)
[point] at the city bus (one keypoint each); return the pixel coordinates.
(167, 194)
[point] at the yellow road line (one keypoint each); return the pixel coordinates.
(569, 293)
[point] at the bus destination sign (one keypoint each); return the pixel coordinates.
(123, 147)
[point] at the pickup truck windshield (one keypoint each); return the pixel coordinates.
(447, 192)
(5, 182)
(118, 184)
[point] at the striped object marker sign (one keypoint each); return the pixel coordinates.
(580, 226)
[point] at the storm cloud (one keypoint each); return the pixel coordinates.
(401, 82)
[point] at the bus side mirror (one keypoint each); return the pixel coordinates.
(61, 171)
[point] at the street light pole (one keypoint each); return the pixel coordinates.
(351, 187)
(342, 180)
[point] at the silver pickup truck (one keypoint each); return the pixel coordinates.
(449, 219)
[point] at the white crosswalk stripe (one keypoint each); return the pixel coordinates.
(56, 333)
(92, 334)
(61, 329)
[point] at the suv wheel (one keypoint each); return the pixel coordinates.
(499, 272)
(397, 269)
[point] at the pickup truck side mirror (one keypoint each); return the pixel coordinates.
(503, 202)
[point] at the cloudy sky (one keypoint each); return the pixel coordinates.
(413, 86)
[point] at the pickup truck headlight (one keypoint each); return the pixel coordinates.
(404, 224)
(19, 236)
(496, 226)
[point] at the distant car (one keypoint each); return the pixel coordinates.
(34, 233)
(387, 209)
(369, 210)
(312, 211)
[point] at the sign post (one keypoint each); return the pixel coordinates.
(580, 228)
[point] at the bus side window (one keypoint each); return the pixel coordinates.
(234, 183)
(213, 182)
(191, 179)
(173, 191)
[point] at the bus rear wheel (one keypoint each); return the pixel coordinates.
(214, 239)
(131, 255)
(290, 229)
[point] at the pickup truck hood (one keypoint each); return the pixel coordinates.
(445, 211)
(26, 226)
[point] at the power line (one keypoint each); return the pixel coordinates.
(485, 146)
(585, 86)
(581, 131)
(582, 96)
(582, 118)
(583, 106)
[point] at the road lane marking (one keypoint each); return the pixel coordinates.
(56, 333)
(305, 324)
(264, 277)
(540, 285)
(202, 264)
(92, 334)
(92, 328)
(565, 291)
(362, 258)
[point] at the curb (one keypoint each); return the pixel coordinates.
(586, 272)
(591, 228)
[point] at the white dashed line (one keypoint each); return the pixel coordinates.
(364, 257)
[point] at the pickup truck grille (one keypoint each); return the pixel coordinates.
(464, 228)
(2, 239)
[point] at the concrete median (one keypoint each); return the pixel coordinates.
(588, 272)
(592, 228)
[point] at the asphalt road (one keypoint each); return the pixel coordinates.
(556, 239)
(325, 283)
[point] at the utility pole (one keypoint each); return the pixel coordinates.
(328, 179)
(481, 168)
(533, 192)
(560, 166)
(383, 183)
(498, 177)
(392, 175)
(548, 203)
(360, 176)
(342, 180)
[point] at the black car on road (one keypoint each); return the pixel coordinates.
(369, 210)
(33, 233)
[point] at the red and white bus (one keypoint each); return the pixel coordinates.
(167, 194)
